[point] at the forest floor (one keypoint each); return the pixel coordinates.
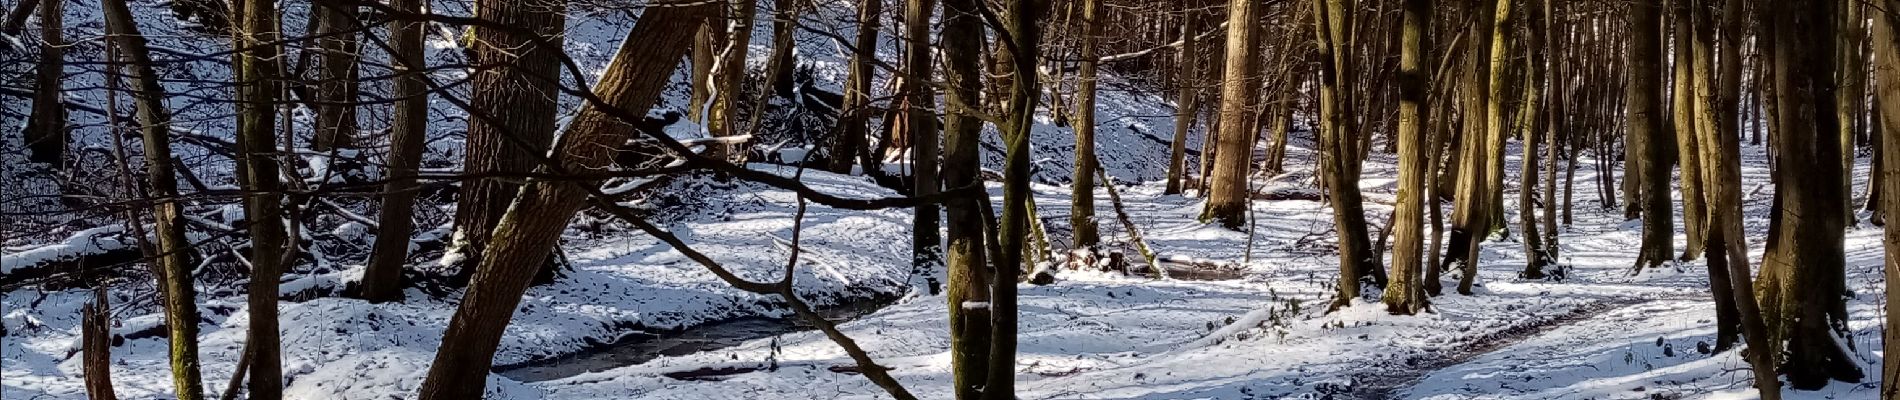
(1599, 332)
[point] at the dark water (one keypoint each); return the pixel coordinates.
(642, 346)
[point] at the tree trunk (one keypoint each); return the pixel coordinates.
(707, 44)
(1708, 124)
(1852, 92)
(921, 119)
(1886, 45)
(1726, 205)
(95, 338)
(1082, 211)
(519, 92)
(1280, 115)
(174, 260)
(969, 279)
(1536, 251)
(382, 278)
(1187, 105)
(1803, 269)
(1339, 148)
(256, 67)
(856, 111)
(530, 230)
(729, 72)
(1553, 52)
(1023, 22)
(46, 134)
(1404, 295)
(1227, 198)
(1685, 124)
(1468, 217)
(337, 78)
(1646, 135)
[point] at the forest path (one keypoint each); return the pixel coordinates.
(1634, 349)
(1396, 380)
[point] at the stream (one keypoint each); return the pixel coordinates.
(642, 346)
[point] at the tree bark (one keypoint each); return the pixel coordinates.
(382, 278)
(1886, 45)
(1404, 294)
(1686, 123)
(921, 118)
(1023, 20)
(1227, 198)
(1536, 251)
(1469, 220)
(1187, 105)
(520, 93)
(1642, 111)
(1339, 148)
(336, 78)
(729, 72)
(1725, 205)
(1082, 210)
(174, 252)
(969, 281)
(256, 69)
(95, 338)
(1803, 268)
(46, 134)
(1708, 123)
(856, 111)
(530, 230)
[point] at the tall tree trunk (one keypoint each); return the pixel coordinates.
(729, 72)
(1537, 255)
(1642, 113)
(1852, 73)
(46, 134)
(382, 279)
(1404, 295)
(256, 68)
(1553, 138)
(1499, 122)
(1685, 121)
(1886, 45)
(1187, 105)
(1725, 203)
(856, 112)
(520, 93)
(1025, 32)
(1469, 219)
(968, 274)
(530, 230)
(1227, 198)
(336, 77)
(921, 119)
(1082, 211)
(1709, 123)
(1803, 269)
(174, 252)
(1339, 148)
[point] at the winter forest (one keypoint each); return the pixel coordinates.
(949, 199)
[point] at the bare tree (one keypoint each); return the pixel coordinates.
(382, 278)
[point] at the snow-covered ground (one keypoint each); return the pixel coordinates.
(1600, 333)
